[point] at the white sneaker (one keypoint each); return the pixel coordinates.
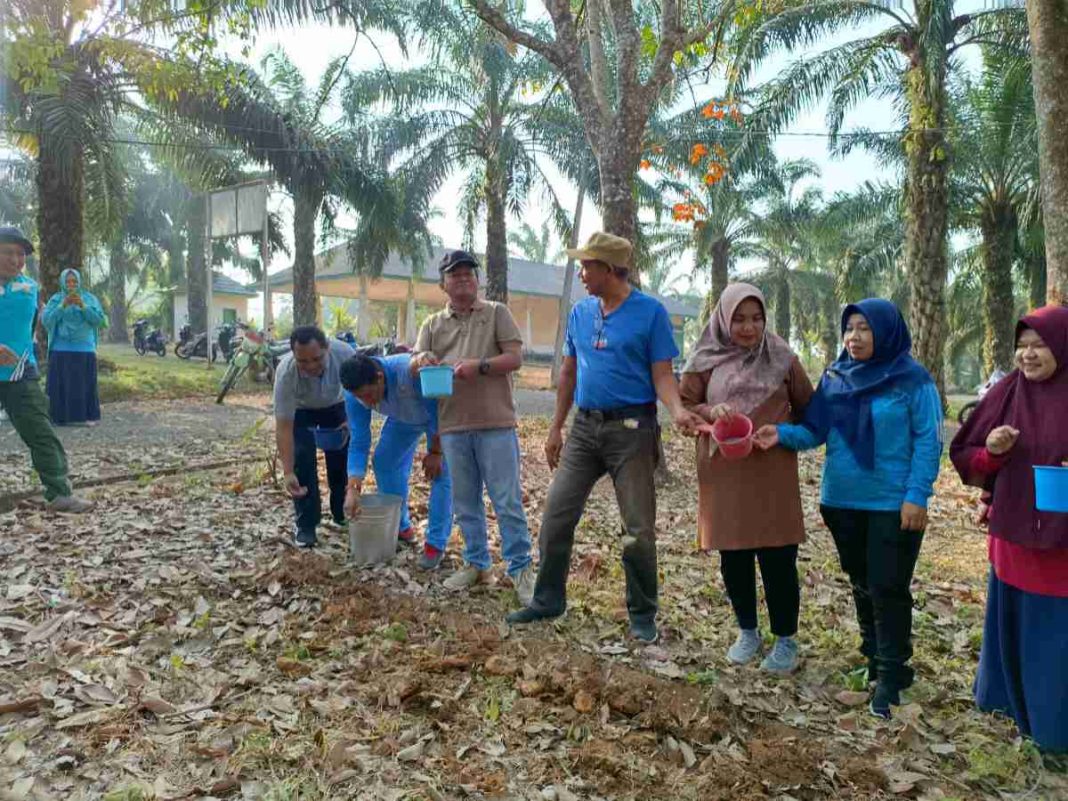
(70, 504)
(466, 577)
(746, 648)
(524, 582)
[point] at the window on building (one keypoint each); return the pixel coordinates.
(229, 315)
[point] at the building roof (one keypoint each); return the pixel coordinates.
(524, 277)
(224, 285)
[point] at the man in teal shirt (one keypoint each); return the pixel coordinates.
(20, 392)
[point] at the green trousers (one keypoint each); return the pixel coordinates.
(27, 407)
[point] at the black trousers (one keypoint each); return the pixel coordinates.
(778, 569)
(879, 558)
(627, 451)
(309, 509)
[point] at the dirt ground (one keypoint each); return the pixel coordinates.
(173, 645)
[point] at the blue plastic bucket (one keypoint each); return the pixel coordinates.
(436, 381)
(331, 439)
(1051, 489)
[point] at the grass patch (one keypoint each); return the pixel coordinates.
(123, 375)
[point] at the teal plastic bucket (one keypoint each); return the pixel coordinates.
(1051, 489)
(436, 381)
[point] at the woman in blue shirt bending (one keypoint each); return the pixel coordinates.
(72, 318)
(880, 414)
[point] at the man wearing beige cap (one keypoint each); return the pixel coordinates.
(617, 362)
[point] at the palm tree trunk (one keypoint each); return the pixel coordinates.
(831, 333)
(306, 202)
(196, 278)
(496, 236)
(564, 310)
(61, 195)
(926, 261)
(999, 238)
(117, 266)
(782, 307)
(1048, 23)
(721, 253)
(1036, 275)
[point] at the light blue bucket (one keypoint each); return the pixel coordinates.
(1051, 489)
(436, 381)
(331, 439)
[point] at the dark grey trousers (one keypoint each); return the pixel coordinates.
(628, 453)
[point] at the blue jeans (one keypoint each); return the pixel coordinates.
(488, 458)
(393, 459)
(309, 509)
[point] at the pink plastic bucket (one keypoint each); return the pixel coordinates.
(734, 436)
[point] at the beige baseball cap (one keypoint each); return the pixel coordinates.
(609, 248)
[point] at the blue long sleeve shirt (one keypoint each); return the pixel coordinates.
(71, 327)
(908, 453)
(403, 401)
(18, 305)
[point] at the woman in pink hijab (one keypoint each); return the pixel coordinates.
(1022, 423)
(750, 510)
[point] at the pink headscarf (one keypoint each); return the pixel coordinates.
(742, 377)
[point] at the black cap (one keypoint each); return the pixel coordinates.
(454, 258)
(9, 234)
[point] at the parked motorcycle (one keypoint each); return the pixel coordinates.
(967, 409)
(145, 340)
(228, 340)
(387, 348)
(256, 353)
(190, 344)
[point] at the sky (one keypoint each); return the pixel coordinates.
(312, 47)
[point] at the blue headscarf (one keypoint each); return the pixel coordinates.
(843, 400)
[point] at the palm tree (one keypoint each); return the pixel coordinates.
(465, 111)
(535, 244)
(782, 232)
(995, 184)
(278, 120)
(68, 68)
(908, 62)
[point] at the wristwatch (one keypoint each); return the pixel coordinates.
(483, 367)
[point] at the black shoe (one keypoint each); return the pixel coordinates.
(304, 539)
(884, 697)
(873, 671)
(530, 615)
(644, 631)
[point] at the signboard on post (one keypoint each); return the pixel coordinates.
(234, 211)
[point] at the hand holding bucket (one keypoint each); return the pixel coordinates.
(732, 436)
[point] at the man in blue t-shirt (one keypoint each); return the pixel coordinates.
(617, 362)
(386, 385)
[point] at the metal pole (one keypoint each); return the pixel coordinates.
(268, 316)
(207, 267)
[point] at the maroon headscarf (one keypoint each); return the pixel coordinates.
(1039, 410)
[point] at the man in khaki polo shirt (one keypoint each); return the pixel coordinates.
(480, 339)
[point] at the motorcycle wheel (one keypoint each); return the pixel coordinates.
(966, 412)
(139, 348)
(161, 350)
(233, 373)
(180, 351)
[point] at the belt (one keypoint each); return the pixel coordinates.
(621, 413)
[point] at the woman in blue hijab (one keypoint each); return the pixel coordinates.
(880, 415)
(72, 318)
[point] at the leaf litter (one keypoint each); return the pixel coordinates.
(172, 645)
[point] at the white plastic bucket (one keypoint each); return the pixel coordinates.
(373, 534)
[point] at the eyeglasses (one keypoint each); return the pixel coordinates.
(599, 341)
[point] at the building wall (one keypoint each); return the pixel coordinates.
(220, 303)
(534, 314)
